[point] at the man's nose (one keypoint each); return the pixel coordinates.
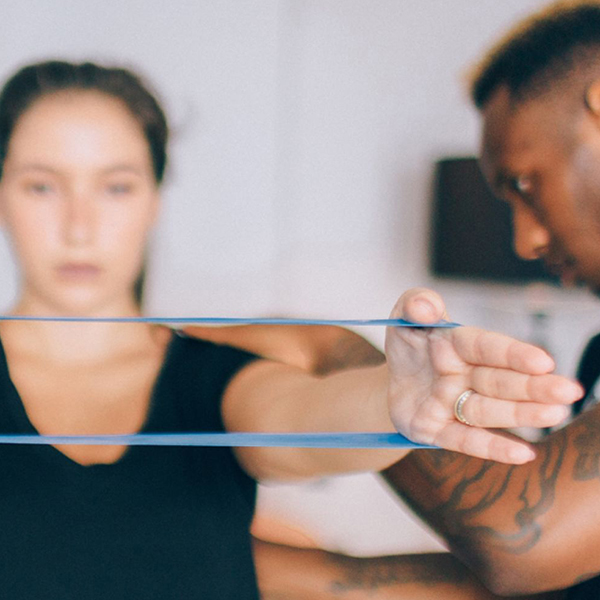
(531, 240)
(78, 221)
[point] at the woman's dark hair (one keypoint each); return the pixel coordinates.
(35, 81)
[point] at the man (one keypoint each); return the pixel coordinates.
(533, 527)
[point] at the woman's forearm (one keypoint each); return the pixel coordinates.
(273, 398)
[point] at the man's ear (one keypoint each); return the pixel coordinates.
(592, 98)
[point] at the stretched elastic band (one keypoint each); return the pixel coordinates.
(238, 440)
(233, 321)
(296, 440)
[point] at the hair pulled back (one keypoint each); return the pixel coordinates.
(35, 81)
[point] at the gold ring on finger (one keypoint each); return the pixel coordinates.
(459, 405)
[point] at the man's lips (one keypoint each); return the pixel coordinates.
(564, 270)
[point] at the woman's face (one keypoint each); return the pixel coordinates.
(78, 198)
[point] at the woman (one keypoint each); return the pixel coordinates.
(83, 153)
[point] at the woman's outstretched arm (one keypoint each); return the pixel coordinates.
(413, 393)
(320, 350)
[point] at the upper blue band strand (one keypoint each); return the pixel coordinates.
(234, 321)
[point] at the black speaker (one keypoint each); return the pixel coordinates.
(472, 229)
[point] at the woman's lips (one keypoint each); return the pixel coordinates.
(78, 271)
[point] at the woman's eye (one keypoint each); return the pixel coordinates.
(40, 188)
(119, 189)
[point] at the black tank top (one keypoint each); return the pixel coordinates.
(160, 523)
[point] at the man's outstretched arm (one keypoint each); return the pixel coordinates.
(525, 528)
(286, 573)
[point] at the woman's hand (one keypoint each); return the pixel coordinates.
(429, 369)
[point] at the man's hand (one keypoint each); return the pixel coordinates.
(512, 384)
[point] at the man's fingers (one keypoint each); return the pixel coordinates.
(480, 347)
(511, 385)
(485, 444)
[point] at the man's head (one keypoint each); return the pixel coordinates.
(539, 95)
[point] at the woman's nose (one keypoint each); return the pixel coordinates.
(78, 221)
(531, 240)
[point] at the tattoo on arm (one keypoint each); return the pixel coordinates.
(374, 573)
(587, 444)
(475, 487)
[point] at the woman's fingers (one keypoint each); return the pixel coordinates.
(483, 411)
(480, 347)
(505, 384)
(510, 381)
(482, 443)
(420, 305)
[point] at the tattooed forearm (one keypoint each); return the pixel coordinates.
(470, 494)
(375, 573)
(537, 497)
(587, 444)
(288, 573)
(521, 528)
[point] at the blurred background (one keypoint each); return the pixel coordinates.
(302, 179)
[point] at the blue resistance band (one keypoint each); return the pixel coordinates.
(235, 321)
(238, 440)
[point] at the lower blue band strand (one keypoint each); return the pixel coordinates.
(234, 321)
(237, 440)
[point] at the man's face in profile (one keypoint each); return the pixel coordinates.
(543, 158)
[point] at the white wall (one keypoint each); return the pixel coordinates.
(304, 137)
